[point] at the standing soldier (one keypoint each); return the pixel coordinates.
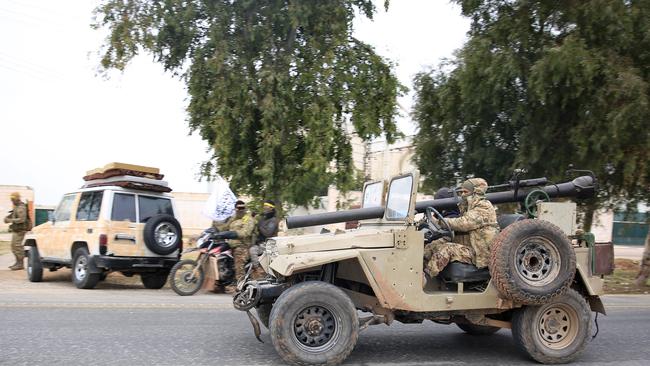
(644, 271)
(239, 228)
(475, 229)
(18, 225)
(267, 227)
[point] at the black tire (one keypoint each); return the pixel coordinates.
(154, 281)
(332, 318)
(264, 313)
(34, 265)
(82, 276)
(479, 330)
(162, 234)
(556, 332)
(532, 262)
(181, 280)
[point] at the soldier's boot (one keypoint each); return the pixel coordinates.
(13, 265)
(18, 265)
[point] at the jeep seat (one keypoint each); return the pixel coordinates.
(505, 220)
(464, 272)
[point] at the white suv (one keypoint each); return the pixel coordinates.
(108, 228)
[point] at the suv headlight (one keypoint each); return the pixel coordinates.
(271, 248)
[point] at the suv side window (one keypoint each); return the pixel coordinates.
(89, 205)
(123, 207)
(62, 212)
(152, 206)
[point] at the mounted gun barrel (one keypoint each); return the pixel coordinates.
(581, 187)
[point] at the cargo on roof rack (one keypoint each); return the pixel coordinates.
(121, 169)
(127, 176)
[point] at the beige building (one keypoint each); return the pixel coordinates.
(189, 206)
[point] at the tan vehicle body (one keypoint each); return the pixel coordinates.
(56, 238)
(387, 256)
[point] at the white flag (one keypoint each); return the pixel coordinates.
(221, 203)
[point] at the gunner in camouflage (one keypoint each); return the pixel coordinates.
(475, 229)
(18, 225)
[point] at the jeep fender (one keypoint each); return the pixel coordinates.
(591, 288)
(288, 264)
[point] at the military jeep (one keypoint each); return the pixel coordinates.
(543, 282)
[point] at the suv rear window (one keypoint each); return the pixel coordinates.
(152, 206)
(123, 207)
(89, 205)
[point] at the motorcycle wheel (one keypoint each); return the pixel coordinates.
(182, 280)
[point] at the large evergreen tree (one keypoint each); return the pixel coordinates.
(541, 85)
(275, 86)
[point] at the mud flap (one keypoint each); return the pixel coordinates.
(256, 325)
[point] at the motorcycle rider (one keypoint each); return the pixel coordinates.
(239, 229)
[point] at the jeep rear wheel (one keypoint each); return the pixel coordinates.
(314, 323)
(532, 262)
(556, 332)
(82, 275)
(34, 265)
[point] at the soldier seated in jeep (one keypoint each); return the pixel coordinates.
(477, 226)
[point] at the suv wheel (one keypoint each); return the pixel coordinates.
(81, 274)
(34, 265)
(556, 332)
(532, 262)
(162, 234)
(154, 280)
(314, 323)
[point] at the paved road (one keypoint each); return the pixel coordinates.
(122, 323)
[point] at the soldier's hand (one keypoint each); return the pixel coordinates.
(7, 220)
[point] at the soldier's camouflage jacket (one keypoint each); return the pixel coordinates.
(477, 226)
(17, 219)
(243, 227)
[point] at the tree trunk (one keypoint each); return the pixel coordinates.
(644, 270)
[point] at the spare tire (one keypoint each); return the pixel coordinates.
(532, 262)
(162, 234)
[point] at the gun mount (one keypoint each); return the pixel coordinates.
(581, 188)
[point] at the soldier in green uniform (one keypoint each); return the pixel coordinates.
(474, 229)
(240, 226)
(18, 225)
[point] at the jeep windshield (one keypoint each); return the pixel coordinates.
(399, 198)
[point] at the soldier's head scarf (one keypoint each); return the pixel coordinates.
(474, 188)
(15, 197)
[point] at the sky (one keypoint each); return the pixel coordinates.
(59, 118)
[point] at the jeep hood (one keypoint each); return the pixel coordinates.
(338, 240)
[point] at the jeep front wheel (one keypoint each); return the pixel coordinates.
(556, 332)
(314, 323)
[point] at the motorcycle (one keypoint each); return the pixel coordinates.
(187, 276)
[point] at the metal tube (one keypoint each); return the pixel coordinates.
(581, 187)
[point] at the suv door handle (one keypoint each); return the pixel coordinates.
(121, 236)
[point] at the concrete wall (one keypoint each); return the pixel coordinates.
(189, 206)
(26, 194)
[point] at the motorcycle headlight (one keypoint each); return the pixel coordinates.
(271, 248)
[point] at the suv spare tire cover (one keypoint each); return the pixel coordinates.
(162, 234)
